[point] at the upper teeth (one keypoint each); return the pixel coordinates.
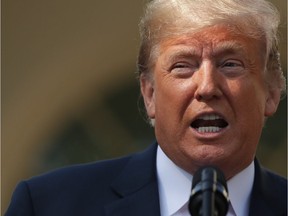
(210, 117)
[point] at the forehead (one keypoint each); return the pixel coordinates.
(214, 39)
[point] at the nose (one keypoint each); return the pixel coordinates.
(208, 84)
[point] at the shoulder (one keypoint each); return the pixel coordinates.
(97, 176)
(266, 177)
(70, 190)
(274, 181)
(64, 191)
(269, 195)
(269, 177)
(101, 171)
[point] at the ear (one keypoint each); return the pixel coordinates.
(147, 91)
(272, 101)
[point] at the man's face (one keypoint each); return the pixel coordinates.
(208, 98)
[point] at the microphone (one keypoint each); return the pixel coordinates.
(209, 195)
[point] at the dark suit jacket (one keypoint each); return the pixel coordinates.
(122, 187)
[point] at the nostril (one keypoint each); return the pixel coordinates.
(208, 94)
(198, 97)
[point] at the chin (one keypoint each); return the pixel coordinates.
(209, 155)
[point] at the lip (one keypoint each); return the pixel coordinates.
(209, 135)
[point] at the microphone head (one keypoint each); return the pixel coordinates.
(209, 178)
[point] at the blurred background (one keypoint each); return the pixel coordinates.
(69, 88)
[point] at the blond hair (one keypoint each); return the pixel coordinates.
(169, 18)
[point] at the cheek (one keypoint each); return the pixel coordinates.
(249, 102)
(173, 95)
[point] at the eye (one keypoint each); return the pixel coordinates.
(232, 68)
(183, 68)
(232, 63)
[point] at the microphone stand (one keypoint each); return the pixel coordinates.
(208, 188)
(209, 195)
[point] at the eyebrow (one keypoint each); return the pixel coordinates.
(229, 47)
(222, 48)
(183, 53)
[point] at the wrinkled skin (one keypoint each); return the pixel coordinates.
(215, 72)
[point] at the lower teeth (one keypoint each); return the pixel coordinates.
(208, 129)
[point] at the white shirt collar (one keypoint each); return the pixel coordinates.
(239, 188)
(175, 186)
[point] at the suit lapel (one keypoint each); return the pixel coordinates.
(137, 187)
(265, 194)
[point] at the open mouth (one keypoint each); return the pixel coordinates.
(209, 123)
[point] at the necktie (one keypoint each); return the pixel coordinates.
(231, 211)
(183, 211)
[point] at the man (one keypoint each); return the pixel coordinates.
(210, 76)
